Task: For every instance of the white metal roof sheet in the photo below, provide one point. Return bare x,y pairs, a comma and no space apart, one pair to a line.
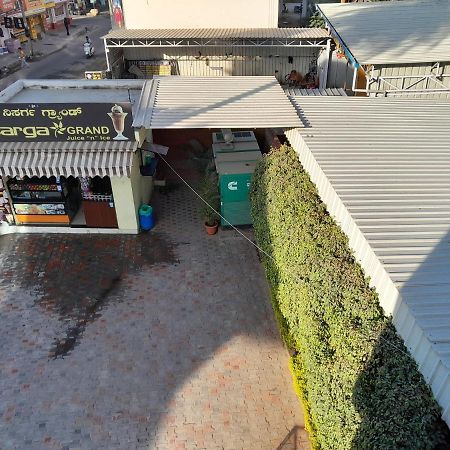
214,102
382,166
315,92
395,32
219,33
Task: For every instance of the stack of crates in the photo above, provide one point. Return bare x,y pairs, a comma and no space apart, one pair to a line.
235,164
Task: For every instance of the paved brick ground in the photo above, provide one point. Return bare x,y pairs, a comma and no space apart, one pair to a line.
161,341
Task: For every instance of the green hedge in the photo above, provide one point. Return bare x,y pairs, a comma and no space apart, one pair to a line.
360,386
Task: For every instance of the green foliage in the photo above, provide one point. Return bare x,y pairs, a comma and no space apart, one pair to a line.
360,386
316,21
209,190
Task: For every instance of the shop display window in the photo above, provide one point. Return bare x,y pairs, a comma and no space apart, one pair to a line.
53,196
97,189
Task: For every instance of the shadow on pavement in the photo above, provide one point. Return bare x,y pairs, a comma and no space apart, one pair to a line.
156,340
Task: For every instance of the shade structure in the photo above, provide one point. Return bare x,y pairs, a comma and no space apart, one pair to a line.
194,37
78,159
213,102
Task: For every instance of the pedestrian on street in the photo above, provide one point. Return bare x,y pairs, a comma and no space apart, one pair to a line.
22,58
66,24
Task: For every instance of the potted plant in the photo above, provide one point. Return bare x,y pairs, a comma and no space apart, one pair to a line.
210,194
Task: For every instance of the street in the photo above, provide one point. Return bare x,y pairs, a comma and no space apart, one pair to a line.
68,62
165,340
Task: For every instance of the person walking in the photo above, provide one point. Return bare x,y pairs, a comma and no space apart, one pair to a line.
22,58
66,24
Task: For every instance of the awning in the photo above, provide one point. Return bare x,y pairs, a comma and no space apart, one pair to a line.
79,159
214,102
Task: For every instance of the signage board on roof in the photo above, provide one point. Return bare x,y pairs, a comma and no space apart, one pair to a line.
49,122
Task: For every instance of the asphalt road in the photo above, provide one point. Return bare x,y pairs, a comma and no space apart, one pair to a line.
69,62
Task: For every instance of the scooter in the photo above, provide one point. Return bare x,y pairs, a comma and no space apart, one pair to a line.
88,48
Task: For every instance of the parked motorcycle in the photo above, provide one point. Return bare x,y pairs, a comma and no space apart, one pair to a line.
88,48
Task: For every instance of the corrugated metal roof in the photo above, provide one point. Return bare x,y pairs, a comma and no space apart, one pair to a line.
79,159
397,32
220,33
382,166
214,102
315,92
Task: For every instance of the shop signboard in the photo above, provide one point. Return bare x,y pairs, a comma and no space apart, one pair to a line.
94,74
49,122
7,5
31,5
40,209
53,3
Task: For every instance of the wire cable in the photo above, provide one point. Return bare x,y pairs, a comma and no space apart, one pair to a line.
216,212
254,244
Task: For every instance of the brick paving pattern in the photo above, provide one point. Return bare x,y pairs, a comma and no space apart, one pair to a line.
160,341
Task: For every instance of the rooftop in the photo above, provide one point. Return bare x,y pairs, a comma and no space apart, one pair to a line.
66,91
214,102
214,36
398,32
382,167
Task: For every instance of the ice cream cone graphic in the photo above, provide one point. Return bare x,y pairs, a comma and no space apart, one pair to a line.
118,119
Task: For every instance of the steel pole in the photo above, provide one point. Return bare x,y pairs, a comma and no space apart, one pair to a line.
27,31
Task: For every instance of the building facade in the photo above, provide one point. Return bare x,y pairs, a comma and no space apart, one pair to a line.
198,13
41,15
56,12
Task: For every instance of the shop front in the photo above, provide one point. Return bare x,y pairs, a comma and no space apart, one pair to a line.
57,11
4,35
35,14
6,6
71,165
77,164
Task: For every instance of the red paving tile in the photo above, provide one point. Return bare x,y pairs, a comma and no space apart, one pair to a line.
163,340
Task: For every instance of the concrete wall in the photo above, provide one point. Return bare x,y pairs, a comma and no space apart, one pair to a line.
200,13
129,194
125,207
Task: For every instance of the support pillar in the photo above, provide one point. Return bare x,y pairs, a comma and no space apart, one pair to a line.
122,188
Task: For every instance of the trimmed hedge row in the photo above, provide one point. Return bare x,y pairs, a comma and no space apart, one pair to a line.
360,386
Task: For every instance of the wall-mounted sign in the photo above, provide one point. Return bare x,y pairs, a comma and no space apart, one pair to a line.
9,22
49,122
95,74
19,23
